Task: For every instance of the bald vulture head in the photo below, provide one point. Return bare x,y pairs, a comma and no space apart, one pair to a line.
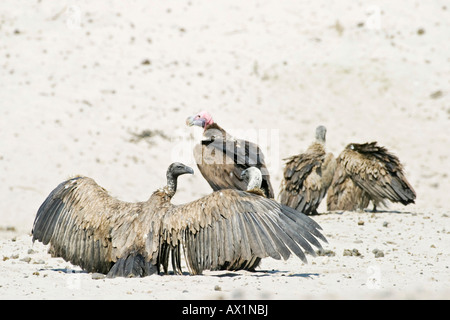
321,133
253,177
201,119
175,170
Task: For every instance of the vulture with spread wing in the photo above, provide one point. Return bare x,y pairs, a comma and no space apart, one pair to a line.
368,172
307,176
228,229
221,158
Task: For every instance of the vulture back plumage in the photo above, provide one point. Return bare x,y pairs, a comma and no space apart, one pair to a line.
368,172
221,158
307,176
228,229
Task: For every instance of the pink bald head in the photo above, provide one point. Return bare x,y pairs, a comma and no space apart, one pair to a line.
206,116
201,119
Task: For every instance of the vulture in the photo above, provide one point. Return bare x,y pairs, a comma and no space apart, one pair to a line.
253,177
308,175
368,172
221,158
227,229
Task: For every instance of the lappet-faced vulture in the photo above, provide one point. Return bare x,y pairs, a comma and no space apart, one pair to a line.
307,176
221,158
368,172
228,229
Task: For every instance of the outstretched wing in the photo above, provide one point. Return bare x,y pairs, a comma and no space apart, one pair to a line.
89,228
228,227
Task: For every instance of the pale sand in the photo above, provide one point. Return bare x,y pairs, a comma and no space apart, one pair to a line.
77,79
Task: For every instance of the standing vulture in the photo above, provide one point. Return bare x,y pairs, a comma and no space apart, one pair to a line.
307,176
227,229
221,158
368,172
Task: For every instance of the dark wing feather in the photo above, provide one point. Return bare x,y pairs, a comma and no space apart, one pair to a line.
221,162
89,228
233,228
307,178
132,265
344,194
378,172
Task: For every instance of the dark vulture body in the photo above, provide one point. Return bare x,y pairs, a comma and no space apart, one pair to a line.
307,176
221,158
368,172
228,229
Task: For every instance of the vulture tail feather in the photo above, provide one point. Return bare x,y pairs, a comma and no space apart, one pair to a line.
134,265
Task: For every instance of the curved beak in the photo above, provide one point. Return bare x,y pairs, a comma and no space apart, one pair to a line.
189,170
191,121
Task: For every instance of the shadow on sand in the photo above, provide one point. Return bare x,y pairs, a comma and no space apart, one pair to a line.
263,273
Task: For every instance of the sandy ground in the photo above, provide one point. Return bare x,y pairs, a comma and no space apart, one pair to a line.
103,90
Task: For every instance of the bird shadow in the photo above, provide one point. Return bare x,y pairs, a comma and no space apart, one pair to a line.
388,211
64,270
339,212
264,273
284,273
222,274
172,273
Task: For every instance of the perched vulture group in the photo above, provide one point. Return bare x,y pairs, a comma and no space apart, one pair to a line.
360,174
232,228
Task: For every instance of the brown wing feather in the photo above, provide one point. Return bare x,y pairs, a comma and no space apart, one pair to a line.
344,194
306,179
221,159
229,227
219,170
89,228
378,172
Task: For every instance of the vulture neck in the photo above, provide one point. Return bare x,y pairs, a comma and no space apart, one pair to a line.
215,126
171,187
254,183
317,147
254,179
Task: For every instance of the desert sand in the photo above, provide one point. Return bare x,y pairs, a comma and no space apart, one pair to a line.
103,89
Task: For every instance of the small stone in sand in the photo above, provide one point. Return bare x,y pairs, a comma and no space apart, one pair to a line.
378,253
98,276
325,252
26,259
353,252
